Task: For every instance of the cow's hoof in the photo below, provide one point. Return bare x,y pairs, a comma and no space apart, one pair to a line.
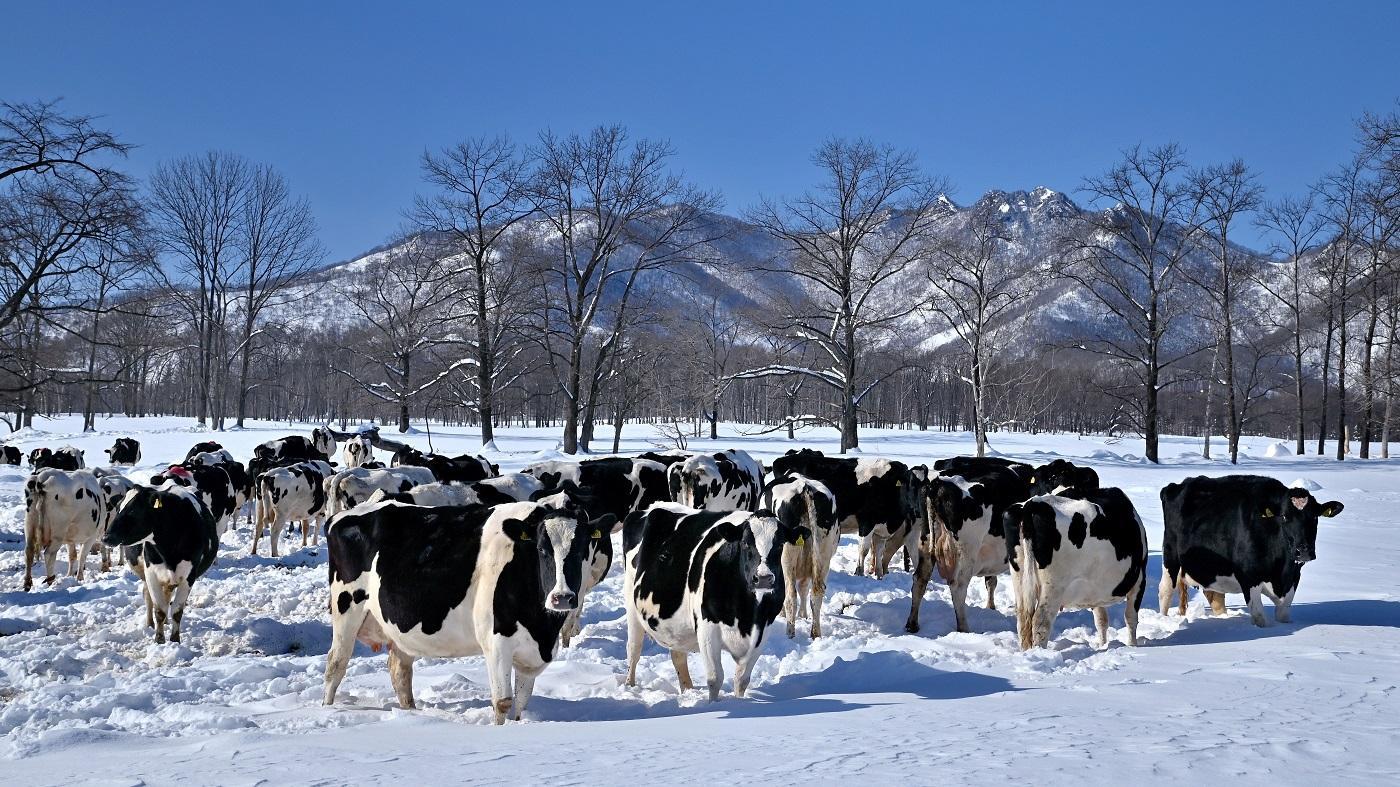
912,628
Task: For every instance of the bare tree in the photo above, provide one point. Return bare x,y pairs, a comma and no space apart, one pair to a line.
483,195
851,242
1342,198
277,245
976,284
1295,225
612,212
403,304
1224,193
198,206
1129,259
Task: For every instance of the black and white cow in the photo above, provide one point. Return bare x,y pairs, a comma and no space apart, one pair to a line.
10,455
213,484
729,480
114,487
1082,550
169,540
706,581
296,492
464,469
125,451
323,440
1060,474
1238,534
64,458
358,452
797,502
208,446
615,485
870,500
60,507
349,488
961,532
667,457
451,582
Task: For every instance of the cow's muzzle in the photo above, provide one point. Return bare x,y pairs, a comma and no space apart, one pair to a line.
563,601
763,581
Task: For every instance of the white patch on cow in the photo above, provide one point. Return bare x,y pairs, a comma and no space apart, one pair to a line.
560,531
765,535
869,469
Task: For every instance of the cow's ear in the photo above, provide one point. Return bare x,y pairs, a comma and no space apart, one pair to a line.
1331,509
518,530
603,525
798,535
730,531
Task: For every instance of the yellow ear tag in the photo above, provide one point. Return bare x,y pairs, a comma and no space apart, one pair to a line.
597,533
1268,512
801,540
898,484
525,535
156,504
1032,479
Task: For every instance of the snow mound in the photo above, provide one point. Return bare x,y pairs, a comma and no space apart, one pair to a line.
1277,449
1305,483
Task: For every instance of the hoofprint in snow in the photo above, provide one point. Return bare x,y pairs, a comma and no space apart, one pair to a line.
85,694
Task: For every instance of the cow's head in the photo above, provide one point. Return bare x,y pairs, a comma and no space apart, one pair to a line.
1298,522
137,514
561,539
1059,475
692,482
760,538
947,504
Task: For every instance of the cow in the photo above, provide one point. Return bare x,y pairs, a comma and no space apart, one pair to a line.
291,447
1081,549
509,488
214,485
615,485
60,507
1238,534
667,457
798,501
959,465
349,488
358,451
293,493
205,447
169,540
726,481
451,582
125,451
705,581
218,456
64,458
323,440
1050,478
961,532
10,455
870,500
464,469
434,495
114,488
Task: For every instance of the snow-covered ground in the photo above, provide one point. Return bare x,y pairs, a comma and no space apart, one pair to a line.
86,695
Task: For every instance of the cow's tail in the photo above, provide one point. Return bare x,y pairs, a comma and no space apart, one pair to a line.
36,523
1026,577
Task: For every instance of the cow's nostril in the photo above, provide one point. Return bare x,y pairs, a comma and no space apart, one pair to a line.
562,599
763,581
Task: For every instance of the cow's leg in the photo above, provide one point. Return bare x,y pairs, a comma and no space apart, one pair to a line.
922,571
962,577
906,558
1101,625
743,668
106,559
791,598
1185,590
711,647
160,596
50,558
177,608
1130,617
304,534
884,553
345,624
524,688
817,596
31,553
1216,599
635,640
499,666
1165,588
1255,599
1283,606
570,627
991,583
681,661
257,533
401,677
276,535
150,602
75,564
860,561
1044,622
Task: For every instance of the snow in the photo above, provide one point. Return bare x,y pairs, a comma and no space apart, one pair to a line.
84,692
1277,449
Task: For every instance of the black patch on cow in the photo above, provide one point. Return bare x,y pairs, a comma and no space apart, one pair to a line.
1078,530
875,502
343,601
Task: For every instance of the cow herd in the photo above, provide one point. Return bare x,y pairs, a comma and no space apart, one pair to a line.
438,556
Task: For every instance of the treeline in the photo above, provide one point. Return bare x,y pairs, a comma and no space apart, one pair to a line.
550,284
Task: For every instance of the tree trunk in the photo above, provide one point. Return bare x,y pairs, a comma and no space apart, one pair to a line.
1326,373
1299,448
1342,437
90,417
485,361
244,363
405,368
1210,402
1368,383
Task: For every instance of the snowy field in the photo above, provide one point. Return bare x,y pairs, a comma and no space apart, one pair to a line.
86,696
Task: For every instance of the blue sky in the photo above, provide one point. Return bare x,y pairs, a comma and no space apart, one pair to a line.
343,97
